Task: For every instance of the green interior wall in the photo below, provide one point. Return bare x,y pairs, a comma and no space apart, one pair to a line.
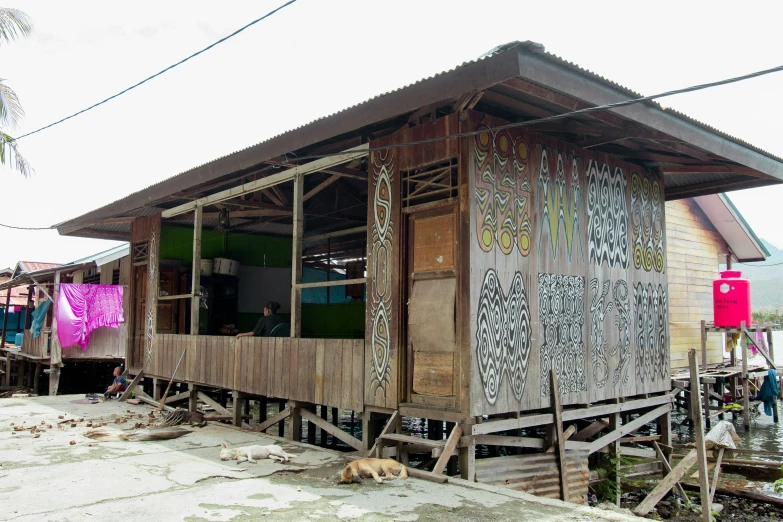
335,321
249,249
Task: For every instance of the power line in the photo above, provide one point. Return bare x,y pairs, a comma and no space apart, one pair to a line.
468,133
26,228
205,49
555,117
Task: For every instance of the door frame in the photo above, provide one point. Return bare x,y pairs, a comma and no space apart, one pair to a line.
410,216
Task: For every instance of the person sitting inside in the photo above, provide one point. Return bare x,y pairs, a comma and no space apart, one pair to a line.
118,385
266,323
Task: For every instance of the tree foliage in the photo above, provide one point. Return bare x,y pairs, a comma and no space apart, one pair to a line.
13,24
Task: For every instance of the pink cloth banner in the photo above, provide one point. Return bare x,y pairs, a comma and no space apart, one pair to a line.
83,308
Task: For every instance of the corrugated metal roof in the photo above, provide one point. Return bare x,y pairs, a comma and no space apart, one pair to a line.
531,48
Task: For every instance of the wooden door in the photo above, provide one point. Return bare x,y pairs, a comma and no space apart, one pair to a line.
432,304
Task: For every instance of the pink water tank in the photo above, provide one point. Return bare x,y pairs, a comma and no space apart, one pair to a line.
731,299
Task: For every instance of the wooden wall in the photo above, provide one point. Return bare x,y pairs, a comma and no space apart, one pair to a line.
38,347
317,371
143,322
694,250
107,343
388,374
568,271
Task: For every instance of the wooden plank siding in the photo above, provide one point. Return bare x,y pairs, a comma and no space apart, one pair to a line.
321,371
38,347
694,249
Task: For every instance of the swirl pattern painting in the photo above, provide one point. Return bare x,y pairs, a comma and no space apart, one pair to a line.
503,336
561,304
560,198
502,192
650,311
647,220
607,212
382,230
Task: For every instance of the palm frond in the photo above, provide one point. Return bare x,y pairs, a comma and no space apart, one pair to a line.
11,111
14,24
10,156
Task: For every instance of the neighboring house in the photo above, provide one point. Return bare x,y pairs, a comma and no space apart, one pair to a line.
17,303
111,267
701,233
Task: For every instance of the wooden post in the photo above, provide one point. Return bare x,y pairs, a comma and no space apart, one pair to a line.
705,386
8,361
56,350
5,317
561,451
281,425
294,431
28,316
367,426
35,377
157,389
614,452
296,257
311,426
467,458
196,276
745,382
701,453
237,413
193,399
335,422
665,431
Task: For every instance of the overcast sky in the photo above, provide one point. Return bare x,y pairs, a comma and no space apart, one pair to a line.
316,57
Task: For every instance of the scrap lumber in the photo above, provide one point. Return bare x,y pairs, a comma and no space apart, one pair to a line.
557,410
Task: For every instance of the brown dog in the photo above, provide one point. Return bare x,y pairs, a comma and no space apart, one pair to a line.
363,468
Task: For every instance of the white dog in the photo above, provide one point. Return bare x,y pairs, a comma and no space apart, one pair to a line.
251,453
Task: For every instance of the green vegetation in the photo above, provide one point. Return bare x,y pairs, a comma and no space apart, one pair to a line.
769,316
13,24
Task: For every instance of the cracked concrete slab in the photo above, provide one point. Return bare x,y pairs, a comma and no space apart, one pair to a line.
47,478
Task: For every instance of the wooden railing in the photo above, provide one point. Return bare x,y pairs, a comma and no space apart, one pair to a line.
38,347
317,371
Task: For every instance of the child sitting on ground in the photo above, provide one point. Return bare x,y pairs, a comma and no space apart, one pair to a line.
118,385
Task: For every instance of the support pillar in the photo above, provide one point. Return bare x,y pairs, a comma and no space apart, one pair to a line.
745,380
193,399
614,452
368,435
237,411
196,276
705,386
6,313
296,257
157,389
281,424
467,458
294,431
665,431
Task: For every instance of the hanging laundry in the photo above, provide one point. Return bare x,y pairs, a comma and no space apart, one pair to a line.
39,317
768,393
83,308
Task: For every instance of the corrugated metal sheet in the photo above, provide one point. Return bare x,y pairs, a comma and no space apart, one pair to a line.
530,47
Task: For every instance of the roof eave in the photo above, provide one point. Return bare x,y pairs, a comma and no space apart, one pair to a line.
544,71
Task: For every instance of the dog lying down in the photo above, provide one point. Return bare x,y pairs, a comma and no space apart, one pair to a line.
251,453
363,468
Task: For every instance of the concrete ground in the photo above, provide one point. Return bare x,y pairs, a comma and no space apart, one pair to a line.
50,478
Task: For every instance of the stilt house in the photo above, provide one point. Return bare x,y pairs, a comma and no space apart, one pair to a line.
501,250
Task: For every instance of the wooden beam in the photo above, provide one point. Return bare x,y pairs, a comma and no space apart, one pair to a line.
448,450
318,188
196,275
517,106
668,469
296,257
567,433
270,181
337,233
153,403
561,449
592,429
203,397
178,397
527,421
701,452
627,428
274,419
341,282
666,484
135,382
717,168
501,440
331,429
716,475
390,427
